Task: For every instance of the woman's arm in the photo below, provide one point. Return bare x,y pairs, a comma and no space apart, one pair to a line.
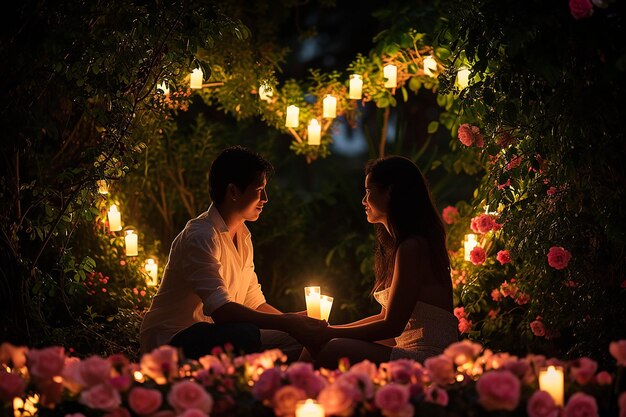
369,319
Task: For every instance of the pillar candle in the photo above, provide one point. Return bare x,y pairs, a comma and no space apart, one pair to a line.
430,66
152,269
115,219
551,381
390,72
309,408
314,132
293,113
469,244
312,297
330,107
326,303
462,77
195,80
131,243
356,87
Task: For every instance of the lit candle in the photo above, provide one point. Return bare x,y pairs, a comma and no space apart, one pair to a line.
551,381
326,303
115,219
293,112
164,88
312,297
26,408
152,269
469,244
195,81
314,131
103,187
356,87
462,77
390,72
309,408
330,107
131,243
265,92
430,66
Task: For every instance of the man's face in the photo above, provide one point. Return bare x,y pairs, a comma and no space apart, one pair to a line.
250,203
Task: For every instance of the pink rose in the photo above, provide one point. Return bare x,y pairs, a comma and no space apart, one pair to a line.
161,364
366,367
359,383
522,298
47,362
538,328
14,356
337,399
301,375
477,255
580,9
440,368
551,191
469,135
212,364
50,391
463,351
541,404
618,351
483,223
505,139
450,215
392,398
94,370
193,412
604,378
144,400
582,370
11,386
520,368
188,394
405,371
267,384
581,405
459,312
101,397
474,225
437,395
558,257
285,400
121,382
465,325
498,390
504,257
496,295
514,163
621,401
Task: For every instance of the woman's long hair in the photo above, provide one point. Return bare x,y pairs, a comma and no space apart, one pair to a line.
411,212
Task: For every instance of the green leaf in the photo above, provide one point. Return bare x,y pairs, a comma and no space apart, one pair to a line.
433,127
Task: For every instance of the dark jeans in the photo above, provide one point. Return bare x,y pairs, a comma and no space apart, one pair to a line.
198,340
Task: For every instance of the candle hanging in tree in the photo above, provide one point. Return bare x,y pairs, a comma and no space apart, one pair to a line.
329,107
265,92
462,77
164,87
131,243
356,87
195,80
469,244
390,72
115,219
430,66
314,132
293,113
152,269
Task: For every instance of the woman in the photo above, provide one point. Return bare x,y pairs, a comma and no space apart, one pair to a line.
412,268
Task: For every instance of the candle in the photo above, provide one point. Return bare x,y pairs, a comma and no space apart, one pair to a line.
26,408
314,131
152,269
462,77
309,408
326,303
293,112
430,66
131,243
356,87
390,72
469,244
164,88
265,92
103,187
330,107
115,219
195,80
551,381
312,297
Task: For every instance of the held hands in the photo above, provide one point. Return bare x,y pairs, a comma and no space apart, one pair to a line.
308,331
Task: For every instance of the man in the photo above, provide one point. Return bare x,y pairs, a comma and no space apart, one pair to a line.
210,294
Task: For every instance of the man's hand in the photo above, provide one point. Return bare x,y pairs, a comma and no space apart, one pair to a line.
306,330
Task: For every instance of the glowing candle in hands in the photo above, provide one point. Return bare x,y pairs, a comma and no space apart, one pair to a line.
326,303
312,297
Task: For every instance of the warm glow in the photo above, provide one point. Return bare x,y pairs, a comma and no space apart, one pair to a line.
356,87
115,219
265,92
329,107
131,243
390,72
469,244
462,77
103,187
138,376
195,79
152,269
312,297
430,66
326,304
314,132
309,408
460,378
25,409
164,87
293,113
551,381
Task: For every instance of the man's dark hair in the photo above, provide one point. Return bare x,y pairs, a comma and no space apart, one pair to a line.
235,165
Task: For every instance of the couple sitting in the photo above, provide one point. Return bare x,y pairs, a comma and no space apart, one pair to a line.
210,294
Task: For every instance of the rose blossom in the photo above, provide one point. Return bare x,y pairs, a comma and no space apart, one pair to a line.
469,135
94,370
14,356
267,384
450,215
366,367
541,404
337,399
604,378
498,390
405,371
144,400
188,394
621,401
47,362
581,405
160,364
465,325
11,386
618,351
463,351
504,257
537,327
360,383
285,400
483,223
474,224
580,8
392,398
558,257
437,395
101,397
477,255
440,368
193,412
496,295
212,364
583,369
459,312
301,375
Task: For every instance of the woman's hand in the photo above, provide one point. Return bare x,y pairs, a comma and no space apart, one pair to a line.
308,331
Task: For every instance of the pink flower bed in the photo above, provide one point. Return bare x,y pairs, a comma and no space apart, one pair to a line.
466,378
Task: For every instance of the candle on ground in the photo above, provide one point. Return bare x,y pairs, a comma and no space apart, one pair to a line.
309,408
551,381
